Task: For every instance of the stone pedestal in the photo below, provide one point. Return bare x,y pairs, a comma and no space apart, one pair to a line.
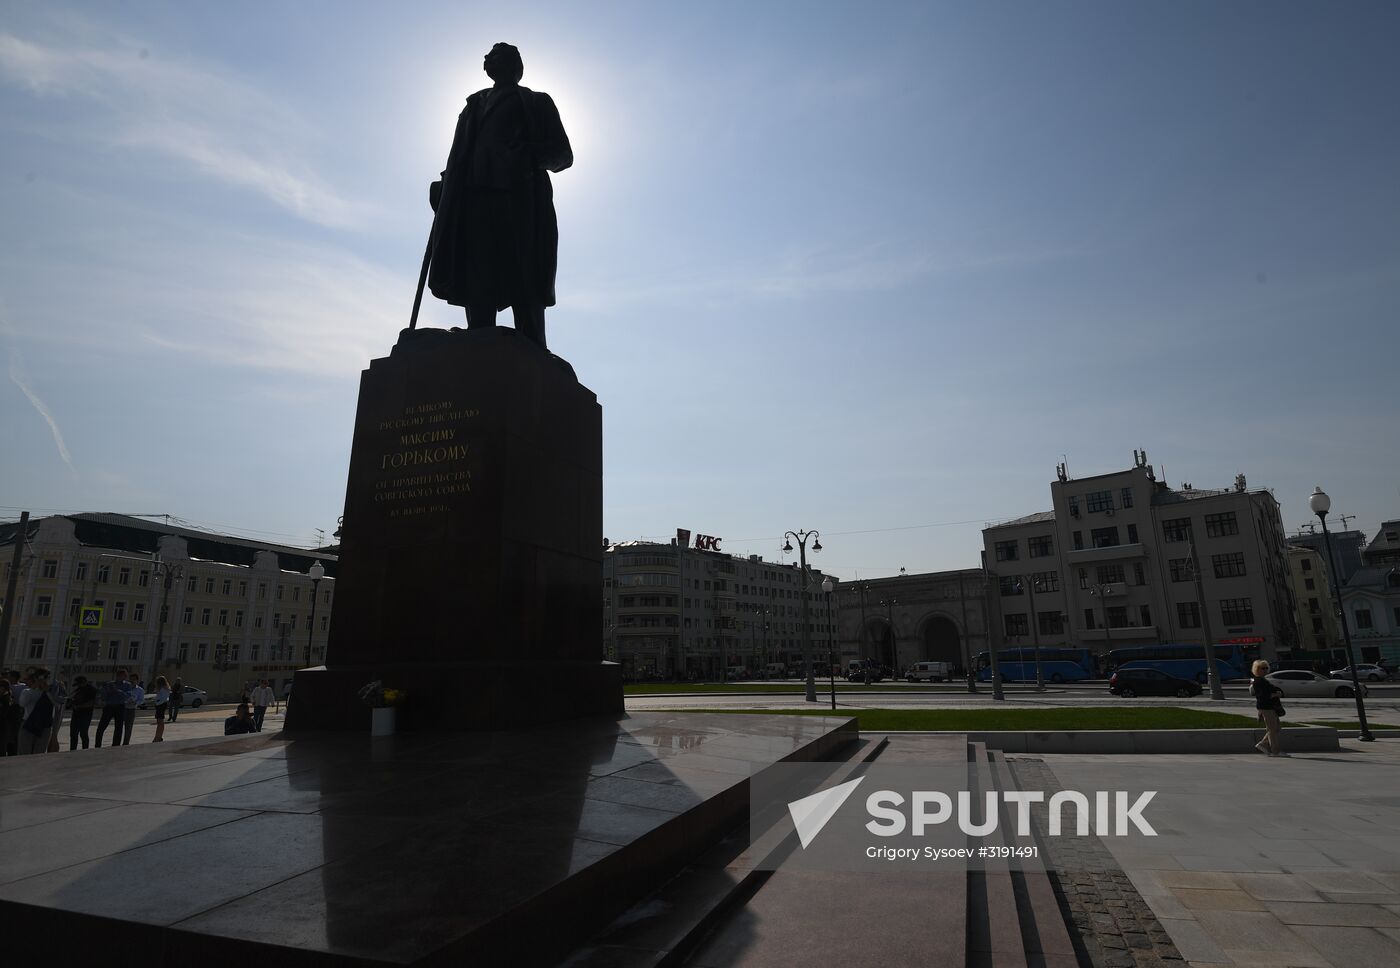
471,549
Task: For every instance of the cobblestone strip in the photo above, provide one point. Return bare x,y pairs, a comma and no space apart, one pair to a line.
1110,923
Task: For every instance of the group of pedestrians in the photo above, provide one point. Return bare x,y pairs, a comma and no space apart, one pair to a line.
32,708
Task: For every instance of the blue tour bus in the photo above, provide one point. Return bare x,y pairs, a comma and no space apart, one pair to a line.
1058,664
1185,661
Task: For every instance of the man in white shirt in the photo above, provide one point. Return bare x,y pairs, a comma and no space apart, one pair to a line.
261,697
134,697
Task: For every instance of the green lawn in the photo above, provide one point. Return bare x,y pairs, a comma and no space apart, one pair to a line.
682,688
1344,724
1021,720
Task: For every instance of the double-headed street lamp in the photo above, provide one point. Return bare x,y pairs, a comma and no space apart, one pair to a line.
1319,503
167,576
1212,673
889,604
316,573
802,537
1028,582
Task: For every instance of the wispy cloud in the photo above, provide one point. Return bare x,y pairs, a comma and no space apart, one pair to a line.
17,377
216,124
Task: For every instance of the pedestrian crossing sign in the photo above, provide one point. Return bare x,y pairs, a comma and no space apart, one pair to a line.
91,617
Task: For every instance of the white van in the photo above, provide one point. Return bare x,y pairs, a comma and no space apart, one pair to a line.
928,672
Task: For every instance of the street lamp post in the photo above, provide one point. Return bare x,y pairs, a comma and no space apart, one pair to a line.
1319,503
1212,674
830,659
317,572
889,604
967,640
802,537
168,576
1028,583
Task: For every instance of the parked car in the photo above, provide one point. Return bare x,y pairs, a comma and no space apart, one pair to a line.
928,671
192,698
1367,672
1128,681
856,671
1297,683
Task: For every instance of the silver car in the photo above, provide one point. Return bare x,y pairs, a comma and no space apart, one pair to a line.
190,698
1301,684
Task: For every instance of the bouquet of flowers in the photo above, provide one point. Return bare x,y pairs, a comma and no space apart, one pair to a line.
376,696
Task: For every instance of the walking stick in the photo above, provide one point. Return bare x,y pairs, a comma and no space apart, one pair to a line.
422,279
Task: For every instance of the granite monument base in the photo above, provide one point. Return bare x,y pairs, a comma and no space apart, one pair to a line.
490,848
459,695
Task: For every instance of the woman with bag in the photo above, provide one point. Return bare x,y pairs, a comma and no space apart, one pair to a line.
162,706
1268,700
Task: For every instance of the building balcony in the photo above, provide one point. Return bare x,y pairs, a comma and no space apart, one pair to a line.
1107,553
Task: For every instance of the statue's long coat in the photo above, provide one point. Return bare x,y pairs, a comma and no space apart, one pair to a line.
496,197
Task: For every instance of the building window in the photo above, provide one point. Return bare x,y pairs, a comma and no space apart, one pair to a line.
280,587
1045,581
1237,611
1051,623
1228,566
1017,624
1309,584
1146,612
193,584
325,621
80,571
238,619
184,652
204,615
143,578
243,589
1098,501
138,612
1083,579
1317,626
104,574
36,647
1132,534
326,596
1109,574
1040,547
1363,619
188,617
1074,505
1127,496
1005,551
73,605
133,651
112,648
1117,616
1105,537
223,618
119,611
1307,564
1079,541
209,586
233,653
1395,612
1088,618
296,593
1010,586
203,652
50,568
1177,529
1188,615
228,586
253,651
257,621
1313,606
43,606
1139,575
262,591
1221,525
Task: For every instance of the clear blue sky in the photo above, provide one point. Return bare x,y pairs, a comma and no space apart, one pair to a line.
855,267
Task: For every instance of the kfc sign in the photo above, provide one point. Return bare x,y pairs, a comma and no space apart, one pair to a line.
703,542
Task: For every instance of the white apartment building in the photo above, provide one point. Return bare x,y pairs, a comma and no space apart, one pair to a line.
672,611
235,610
1111,565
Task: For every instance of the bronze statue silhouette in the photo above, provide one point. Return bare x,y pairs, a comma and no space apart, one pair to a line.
495,239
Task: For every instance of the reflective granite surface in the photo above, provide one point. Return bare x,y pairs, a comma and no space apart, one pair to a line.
412,847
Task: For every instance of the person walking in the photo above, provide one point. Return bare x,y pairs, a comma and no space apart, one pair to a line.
41,704
10,715
83,702
162,706
1268,702
135,696
177,696
113,696
262,697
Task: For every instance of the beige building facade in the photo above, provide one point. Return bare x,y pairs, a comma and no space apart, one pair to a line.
235,610
1114,564
1315,609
